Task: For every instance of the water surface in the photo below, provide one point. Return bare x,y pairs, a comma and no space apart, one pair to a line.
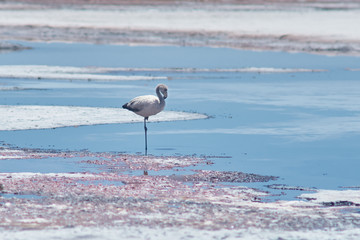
302,127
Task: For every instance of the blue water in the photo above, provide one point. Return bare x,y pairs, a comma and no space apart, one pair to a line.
22,196
306,145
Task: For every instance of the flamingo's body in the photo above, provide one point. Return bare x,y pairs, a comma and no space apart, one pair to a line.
148,105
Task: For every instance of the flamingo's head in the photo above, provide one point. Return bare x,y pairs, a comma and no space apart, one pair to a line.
163,90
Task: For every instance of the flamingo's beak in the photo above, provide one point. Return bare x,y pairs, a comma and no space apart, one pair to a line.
165,95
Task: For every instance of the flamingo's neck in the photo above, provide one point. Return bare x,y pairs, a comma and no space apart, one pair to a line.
161,98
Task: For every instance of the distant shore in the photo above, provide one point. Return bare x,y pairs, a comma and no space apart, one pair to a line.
319,27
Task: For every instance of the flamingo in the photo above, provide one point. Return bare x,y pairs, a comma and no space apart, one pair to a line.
148,105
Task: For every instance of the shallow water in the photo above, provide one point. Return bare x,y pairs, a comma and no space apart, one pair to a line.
302,127
21,196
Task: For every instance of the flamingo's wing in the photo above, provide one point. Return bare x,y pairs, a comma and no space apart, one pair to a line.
141,103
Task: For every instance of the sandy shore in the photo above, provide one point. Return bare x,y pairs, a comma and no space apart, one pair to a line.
317,26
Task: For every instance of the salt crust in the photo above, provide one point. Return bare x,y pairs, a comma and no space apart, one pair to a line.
108,74
175,234
42,117
66,73
333,196
266,22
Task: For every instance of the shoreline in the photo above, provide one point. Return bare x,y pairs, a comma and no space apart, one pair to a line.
312,27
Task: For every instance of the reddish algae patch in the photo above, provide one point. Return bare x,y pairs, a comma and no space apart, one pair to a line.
116,198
